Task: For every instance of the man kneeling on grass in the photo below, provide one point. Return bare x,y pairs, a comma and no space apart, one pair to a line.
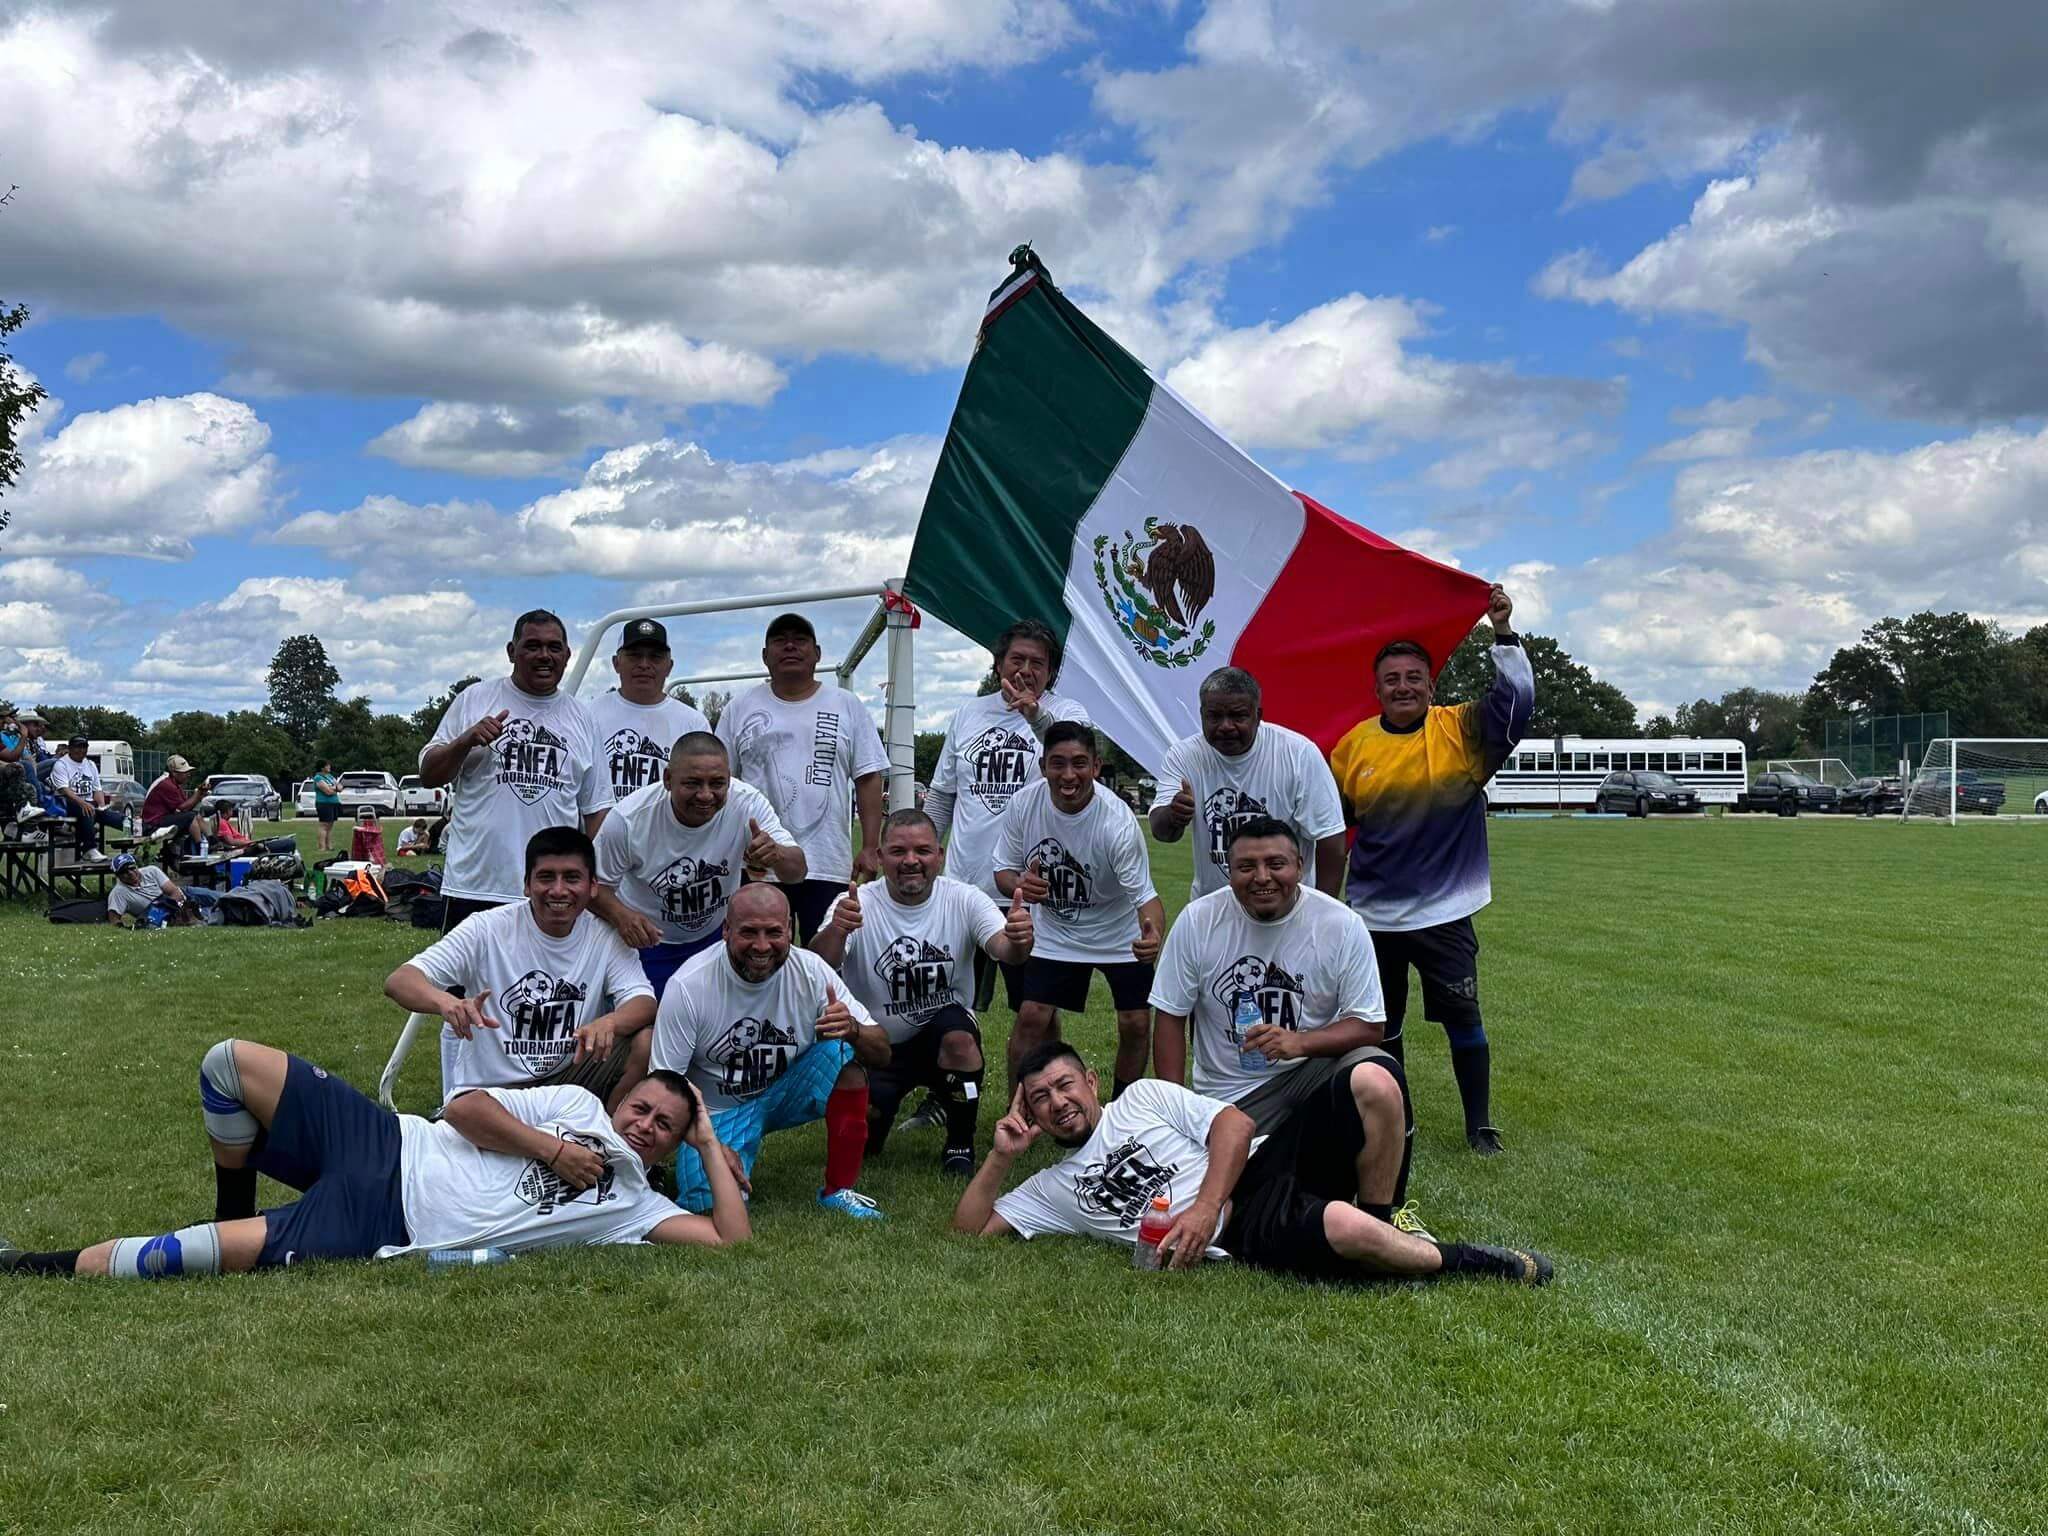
1285,1206
514,1168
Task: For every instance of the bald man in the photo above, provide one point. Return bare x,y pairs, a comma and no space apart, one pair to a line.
772,1039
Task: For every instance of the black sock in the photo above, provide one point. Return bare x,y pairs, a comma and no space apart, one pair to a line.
1464,1259
962,1098
1472,1066
1377,1212
234,1193
63,1261
879,1126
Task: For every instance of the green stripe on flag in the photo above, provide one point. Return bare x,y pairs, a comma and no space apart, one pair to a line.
1048,406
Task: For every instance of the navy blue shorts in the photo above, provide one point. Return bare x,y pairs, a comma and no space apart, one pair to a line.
342,1150
658,962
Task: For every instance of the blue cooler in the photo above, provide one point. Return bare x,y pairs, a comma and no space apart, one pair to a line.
238,872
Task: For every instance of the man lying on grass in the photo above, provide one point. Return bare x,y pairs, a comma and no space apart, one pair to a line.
515,1168
1285,1206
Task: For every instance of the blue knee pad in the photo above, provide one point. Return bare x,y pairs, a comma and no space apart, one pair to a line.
228,1121
1465,1037
187,1251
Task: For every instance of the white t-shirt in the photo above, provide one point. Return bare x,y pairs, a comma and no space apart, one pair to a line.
733,1038
990,753
456,1195
1152,1139
82,778
135,901
1096,863
1229,972
907,963
411,837
1283,775
633,740
542,772
680,877
805,757
542,990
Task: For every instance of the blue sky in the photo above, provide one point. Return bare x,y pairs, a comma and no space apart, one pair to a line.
1681,319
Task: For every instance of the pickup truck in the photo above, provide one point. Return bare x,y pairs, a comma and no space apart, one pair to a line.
1973,792
415,799
1786,793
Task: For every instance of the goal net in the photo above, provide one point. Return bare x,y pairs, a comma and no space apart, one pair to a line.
1822,770
1961,776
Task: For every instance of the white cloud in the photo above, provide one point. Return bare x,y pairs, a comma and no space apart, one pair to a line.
144,479
84,366
1343,375
1727,430
501,439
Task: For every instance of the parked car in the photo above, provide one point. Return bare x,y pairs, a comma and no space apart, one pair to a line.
415,799
1640,793
2041,803
1787,793
1974,792
118,788
1874,796
361,787
246,789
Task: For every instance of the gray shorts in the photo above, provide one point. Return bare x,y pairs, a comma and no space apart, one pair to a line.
1279,1096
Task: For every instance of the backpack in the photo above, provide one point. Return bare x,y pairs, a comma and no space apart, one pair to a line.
258,904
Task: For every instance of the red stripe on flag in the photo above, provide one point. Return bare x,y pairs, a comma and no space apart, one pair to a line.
1345,593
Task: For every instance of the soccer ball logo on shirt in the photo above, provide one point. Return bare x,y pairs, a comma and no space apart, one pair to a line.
1123,1183
918,974
532,760
1222,812
542,1188
1277,992
636,760
1065,876
750,1055
999,763
692,890
541,1018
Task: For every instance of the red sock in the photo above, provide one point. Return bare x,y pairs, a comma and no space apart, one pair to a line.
846,1136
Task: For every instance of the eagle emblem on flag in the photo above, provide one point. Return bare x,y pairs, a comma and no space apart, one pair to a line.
1156,585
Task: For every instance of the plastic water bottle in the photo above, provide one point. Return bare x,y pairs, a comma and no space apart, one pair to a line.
465,1258
1152,1229
1245,1018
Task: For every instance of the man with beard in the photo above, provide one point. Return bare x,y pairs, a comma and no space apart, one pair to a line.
520,755
905,945
1276,982
524,987
1413,780
637,722
1283,1208
1076,854
1239,766
772,1040
813,749
513,1168
670,856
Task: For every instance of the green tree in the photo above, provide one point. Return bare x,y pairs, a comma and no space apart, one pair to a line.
714,702
19,395
428,715
1769,724
350,739
302,682
1570,700
929,745
1660,727
1987,679
682,691
95,722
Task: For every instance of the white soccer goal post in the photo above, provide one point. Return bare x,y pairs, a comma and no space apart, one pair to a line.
1980,776
893,617
1822,770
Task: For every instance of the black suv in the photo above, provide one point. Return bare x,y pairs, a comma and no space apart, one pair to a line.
1883,796
1640,793
1787,794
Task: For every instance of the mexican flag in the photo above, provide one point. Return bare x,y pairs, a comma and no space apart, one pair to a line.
1076,488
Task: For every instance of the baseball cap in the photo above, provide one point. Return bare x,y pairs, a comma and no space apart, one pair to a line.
643,635
783,623
177,764
123,861
78,741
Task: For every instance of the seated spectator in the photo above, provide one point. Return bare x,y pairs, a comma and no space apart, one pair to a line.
169,804
21,785
75,778
413,840
226,834
435,833
366,843
137,887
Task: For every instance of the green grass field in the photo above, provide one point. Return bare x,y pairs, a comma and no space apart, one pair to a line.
1773,1095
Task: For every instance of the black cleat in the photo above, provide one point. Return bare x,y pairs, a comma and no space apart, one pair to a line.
1485,1141
930,1115
1523,1266
956,1164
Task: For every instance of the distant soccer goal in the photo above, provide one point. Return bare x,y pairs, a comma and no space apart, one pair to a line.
1823,770
1963,776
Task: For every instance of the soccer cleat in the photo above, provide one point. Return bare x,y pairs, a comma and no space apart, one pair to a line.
931,1114
1485,1141
955,1163
1524,1266
1406,1220
850,1202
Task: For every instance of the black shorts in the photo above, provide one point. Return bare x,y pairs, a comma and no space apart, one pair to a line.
914,1062
809,902
455,908
1447,957
1276,1211
328,813
985,970
1064,983
343,1151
